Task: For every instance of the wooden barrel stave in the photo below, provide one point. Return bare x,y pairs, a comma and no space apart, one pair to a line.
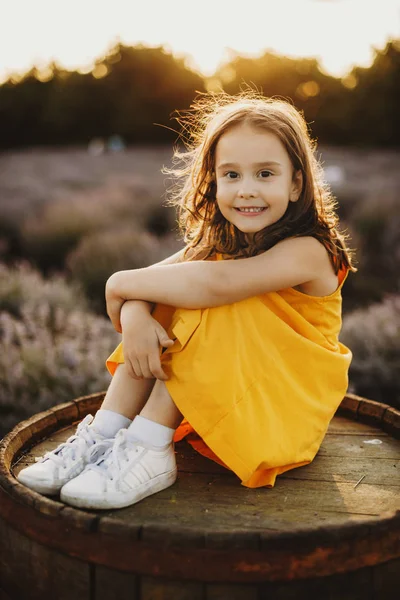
31,571
202,550
49,575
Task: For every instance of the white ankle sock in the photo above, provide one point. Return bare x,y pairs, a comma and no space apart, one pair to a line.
109,422
150,431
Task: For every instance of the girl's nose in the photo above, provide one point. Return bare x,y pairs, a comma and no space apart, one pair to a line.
247,188
247,193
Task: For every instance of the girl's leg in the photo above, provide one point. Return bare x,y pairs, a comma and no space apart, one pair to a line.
161,408
142,461
149,397
126,395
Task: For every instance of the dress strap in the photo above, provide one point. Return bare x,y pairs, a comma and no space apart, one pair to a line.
342,275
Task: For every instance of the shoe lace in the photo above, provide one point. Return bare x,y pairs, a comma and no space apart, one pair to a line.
112,462
83,442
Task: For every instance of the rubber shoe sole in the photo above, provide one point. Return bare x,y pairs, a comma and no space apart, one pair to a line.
31,479
36,486
109,500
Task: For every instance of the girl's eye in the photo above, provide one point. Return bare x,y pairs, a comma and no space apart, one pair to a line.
233,175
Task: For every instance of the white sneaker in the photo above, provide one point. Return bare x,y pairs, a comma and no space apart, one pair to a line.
55,468
126,473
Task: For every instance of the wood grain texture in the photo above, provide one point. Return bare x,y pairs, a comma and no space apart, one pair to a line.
31,571
209,537
109,584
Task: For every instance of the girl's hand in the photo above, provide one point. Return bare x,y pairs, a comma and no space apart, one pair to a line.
114,302
141,341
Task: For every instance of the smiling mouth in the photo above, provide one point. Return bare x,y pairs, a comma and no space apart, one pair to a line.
255,210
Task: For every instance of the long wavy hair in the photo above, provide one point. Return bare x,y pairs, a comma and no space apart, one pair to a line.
204,229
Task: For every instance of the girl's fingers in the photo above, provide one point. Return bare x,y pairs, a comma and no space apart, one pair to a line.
163,337
130,369
137,368
156,368
144,364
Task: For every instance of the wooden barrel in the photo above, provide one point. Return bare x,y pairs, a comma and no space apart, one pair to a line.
327,530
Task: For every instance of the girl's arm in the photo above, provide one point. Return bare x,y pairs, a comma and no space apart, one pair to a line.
185,285
133,306
203,284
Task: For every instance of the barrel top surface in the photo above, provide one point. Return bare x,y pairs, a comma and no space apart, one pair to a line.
210,497
354,481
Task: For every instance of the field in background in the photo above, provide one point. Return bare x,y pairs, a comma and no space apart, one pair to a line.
51,199
78,217
32,177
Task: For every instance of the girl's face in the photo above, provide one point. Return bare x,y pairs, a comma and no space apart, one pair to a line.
254,171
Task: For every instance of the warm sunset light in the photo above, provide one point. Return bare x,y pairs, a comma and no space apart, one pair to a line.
340,33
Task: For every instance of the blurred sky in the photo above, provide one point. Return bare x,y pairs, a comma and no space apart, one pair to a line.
74,33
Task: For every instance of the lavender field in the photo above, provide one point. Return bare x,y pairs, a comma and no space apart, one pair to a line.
51,199
69,218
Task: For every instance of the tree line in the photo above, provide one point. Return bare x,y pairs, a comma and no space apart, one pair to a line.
134,90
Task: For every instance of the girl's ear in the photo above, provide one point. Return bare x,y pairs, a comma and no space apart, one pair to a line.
297,186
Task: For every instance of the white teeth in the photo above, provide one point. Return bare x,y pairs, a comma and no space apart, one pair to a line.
250,209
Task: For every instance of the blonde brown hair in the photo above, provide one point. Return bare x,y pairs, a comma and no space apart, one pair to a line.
205,230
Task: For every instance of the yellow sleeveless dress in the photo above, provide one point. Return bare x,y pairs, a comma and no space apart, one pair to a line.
258,381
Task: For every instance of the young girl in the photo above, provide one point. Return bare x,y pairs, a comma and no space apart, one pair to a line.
233,341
